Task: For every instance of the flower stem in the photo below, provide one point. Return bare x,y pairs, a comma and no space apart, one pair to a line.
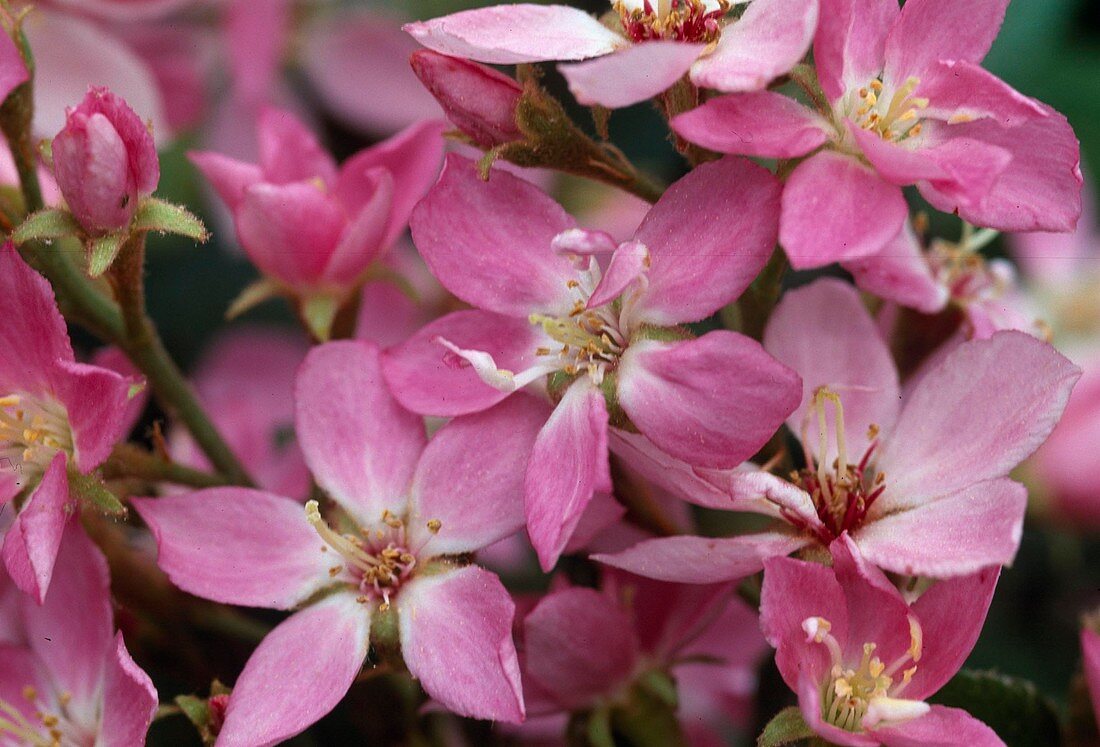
130,460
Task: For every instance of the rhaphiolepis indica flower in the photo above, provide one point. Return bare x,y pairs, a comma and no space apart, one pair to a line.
605,343
917,478
902,101
862,660
646,47
389,565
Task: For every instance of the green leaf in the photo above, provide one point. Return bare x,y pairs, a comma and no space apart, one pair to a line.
46,224
195,709
787,727
91,489
1012,707
158,215
103,251
317,313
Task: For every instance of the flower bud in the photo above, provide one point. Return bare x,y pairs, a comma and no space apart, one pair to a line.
105,162
478,100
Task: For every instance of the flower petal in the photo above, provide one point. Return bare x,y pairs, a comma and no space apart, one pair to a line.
632,75
849,44
928,31
712,401
668,473
1090,647
228,176
290,152
456,637
325,646
900,273
97,401
34,335
32,541
129,700
629,262
941,725
764,124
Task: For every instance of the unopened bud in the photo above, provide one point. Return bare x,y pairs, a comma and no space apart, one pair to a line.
478,100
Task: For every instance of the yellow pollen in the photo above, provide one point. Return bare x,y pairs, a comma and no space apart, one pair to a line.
434,525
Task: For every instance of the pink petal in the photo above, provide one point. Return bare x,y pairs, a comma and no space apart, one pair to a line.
477,496
727,247
956,429
941,725
849,44
229,177
256,35
97,400
238,546
21,668
125,10
34,336
712,401
290,152
360,444
364,236
427,378
567,465
928,31
900,273
32,541
960,91
809,701
764,124
826,335
13,70
771,37
632,75
129,700
324,645
1090,648
704,560
579,646
489,243
600,519
977,526
456,638
510,34
836,209
585,243
629,262
674,475
114,359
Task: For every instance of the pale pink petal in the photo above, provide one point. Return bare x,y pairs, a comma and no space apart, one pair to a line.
960,91
941,725
490,243
712,401
256,35
290,152
900,273
567,465
21,668
97,401
766,42
579,646
32,541
977,526
932,30
360,444
228,176
630,261
703,253
428,378
583,242
764,124
34,335
1090,648
510,34
849,44
477,495
876,610
238,546
129,700
1052,257
956,429
704,560
125,10
632,75
826,335
836,209
456,638
324,645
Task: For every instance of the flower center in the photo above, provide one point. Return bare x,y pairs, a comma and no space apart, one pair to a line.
861,696
842,493
47,728
697,21
896,117
961,268
32,431
376,560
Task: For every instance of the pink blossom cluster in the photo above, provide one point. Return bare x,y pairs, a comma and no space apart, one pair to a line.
487,471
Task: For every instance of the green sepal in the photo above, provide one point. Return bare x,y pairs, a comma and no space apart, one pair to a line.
164,217
253,295
195,709
91,490
53,223
103,252
787,727
318,313
1012,707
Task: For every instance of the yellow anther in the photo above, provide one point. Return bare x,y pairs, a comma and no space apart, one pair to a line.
434,525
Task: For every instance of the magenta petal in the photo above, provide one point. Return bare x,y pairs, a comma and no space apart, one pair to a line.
900,273
941,725
359,443
97,400
960,91
290,152
955,429
129,700
770,38
510,34
427,378
238,546
977,526
631,75
728,247
456,638
490,243
477,496
704,560
324,645
764,124
849,44
32,541
229,177
567,465
34,336
668,473
928,31
836,209
629,262
828,315
363,239
13,70
876,610
712,401
579,646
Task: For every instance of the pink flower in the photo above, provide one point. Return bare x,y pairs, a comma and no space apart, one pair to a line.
862,660
905,102
313,228
411,510
57,418
105,162
919,484
656,44
1090,649
604,343
67,678
13,70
